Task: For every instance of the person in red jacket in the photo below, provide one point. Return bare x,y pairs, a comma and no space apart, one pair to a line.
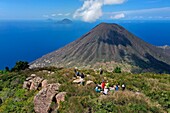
103,85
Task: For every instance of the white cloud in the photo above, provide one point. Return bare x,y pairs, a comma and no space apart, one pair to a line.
152,10
118,16
60,14
53,15
110,2
92,9
153,13
46,16
67,14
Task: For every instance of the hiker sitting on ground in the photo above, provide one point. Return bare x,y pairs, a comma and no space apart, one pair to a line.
107,85
103,85
123,87
105,92
98,89
77,73
116,88
82,75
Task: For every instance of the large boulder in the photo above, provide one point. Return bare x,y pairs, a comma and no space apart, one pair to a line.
36,82
60,97
33,75
27,85
89,82
77,81
44,83
29,78
44,98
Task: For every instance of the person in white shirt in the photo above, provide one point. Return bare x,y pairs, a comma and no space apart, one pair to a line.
105,92
123,87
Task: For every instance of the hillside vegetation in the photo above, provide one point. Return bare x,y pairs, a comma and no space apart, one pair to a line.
146,92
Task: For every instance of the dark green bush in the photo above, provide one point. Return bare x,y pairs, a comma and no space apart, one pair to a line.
20,65
7,69
117,70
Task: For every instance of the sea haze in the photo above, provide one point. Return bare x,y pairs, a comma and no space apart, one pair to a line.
29,40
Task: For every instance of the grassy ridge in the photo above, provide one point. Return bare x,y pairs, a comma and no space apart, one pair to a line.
154,92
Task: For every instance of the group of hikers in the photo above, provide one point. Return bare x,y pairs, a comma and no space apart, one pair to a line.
77,73
104,87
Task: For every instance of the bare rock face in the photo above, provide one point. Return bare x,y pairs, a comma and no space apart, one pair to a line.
89,82
27,85
36,82
33,75
77,81
60,97
44,83
44,98
29,78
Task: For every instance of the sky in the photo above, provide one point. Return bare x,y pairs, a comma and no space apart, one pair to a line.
85,10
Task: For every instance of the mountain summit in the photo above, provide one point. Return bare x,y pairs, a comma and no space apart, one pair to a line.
108,46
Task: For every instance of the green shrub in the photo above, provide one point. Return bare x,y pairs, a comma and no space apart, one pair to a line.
117,70
7,69
20,65
1,72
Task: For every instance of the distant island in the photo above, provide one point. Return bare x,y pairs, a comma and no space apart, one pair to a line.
65,21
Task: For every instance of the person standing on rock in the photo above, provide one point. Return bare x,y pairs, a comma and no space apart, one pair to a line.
100,71
75,70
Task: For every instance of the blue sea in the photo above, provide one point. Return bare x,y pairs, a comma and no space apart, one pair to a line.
29,40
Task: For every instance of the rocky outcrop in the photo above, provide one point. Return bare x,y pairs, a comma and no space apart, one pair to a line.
36,82
60,97
77,81
49,94
33,75
33,82
27,85
44,98
89,82
44,83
